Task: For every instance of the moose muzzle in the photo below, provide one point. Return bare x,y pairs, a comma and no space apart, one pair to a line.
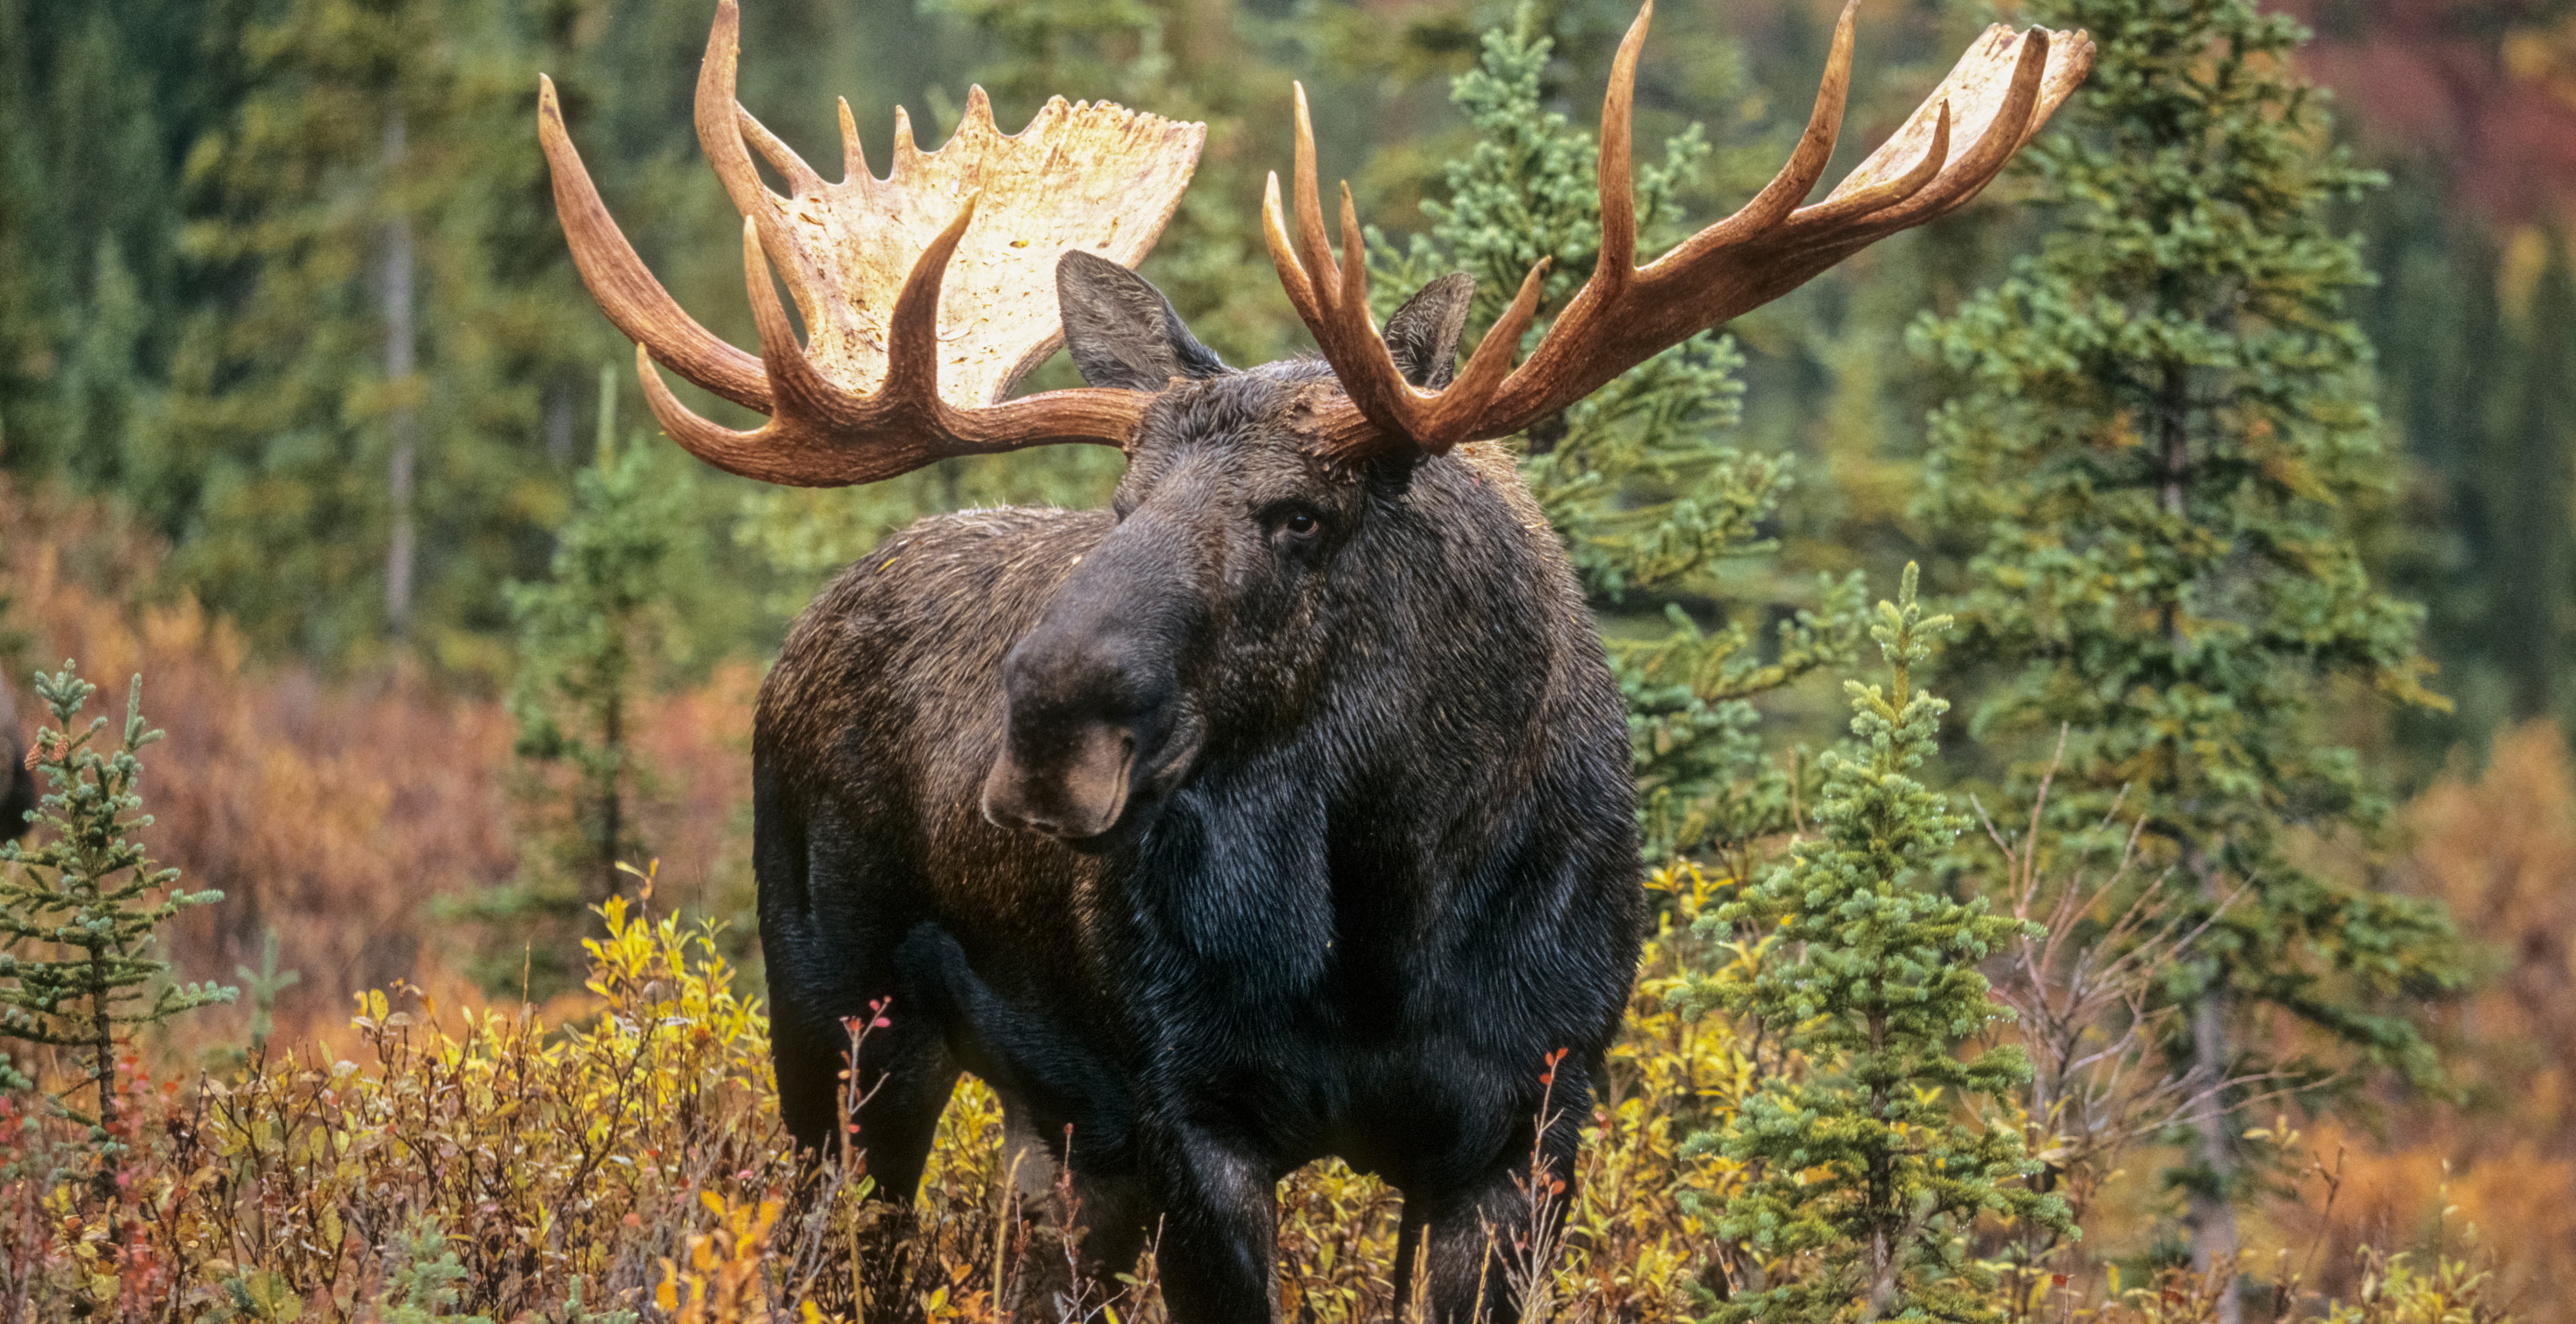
1093,721
1061,780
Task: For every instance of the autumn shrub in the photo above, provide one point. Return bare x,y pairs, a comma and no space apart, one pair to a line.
2499,848
331,811
630,1159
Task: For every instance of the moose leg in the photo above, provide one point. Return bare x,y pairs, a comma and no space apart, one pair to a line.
1473,1251
903,1078
1478,1246
1088,1227
1219,1228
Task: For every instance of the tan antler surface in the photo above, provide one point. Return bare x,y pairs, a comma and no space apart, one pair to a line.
2000,94
925,295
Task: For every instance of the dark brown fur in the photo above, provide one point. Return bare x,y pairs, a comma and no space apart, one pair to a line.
17,781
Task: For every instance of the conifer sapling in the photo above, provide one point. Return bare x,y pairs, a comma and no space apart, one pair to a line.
81,910
1867,1167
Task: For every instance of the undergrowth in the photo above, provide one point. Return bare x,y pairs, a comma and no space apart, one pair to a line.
628,1164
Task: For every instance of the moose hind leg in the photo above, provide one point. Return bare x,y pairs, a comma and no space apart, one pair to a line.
901,1084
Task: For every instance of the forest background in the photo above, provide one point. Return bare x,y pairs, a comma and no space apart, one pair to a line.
299,395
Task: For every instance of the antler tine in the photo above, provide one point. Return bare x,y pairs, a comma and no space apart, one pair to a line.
1806,163
1310,208
854,158
801,178
1614,173
727,132
1986,157
1283,255
1886,193
912,340
625,288
716,114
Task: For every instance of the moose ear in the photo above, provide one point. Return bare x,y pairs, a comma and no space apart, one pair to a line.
1122,331
1422,337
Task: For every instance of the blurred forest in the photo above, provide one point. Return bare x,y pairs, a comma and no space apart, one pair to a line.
305,416
284,279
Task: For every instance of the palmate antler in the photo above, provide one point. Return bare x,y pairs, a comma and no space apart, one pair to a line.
1999,94
925,294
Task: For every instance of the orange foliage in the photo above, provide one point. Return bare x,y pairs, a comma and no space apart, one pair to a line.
333,812
2501,852
2488,86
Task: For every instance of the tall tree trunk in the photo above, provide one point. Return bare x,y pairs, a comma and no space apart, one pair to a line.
2213,1148
2531,492
2212,1217
401,346
2213,1140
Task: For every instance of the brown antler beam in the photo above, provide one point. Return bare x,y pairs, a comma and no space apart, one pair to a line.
2000,94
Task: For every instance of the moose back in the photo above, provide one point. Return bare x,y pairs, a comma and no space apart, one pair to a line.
1282,809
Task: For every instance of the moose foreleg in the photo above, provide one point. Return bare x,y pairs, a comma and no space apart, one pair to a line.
1219,1228
1480,1248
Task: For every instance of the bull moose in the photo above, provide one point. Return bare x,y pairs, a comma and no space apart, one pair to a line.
1282,809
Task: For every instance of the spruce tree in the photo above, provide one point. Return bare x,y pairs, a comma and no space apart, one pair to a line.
17,779
81,910
1652,506
1865,1168
2156,445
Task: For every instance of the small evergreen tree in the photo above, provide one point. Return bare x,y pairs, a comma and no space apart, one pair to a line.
1864,1172
2159,439
1650,505
586,635
80,913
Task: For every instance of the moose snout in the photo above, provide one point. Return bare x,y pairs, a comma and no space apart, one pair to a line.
1084,712
1071,786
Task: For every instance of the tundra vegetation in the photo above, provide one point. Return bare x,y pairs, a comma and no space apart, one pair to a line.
2125,1002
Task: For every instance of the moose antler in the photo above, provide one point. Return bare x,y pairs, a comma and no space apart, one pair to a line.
2000,94
925,294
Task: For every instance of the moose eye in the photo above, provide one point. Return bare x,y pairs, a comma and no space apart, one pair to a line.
1290,521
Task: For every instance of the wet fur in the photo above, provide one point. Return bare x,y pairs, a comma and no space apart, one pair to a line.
1400,870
